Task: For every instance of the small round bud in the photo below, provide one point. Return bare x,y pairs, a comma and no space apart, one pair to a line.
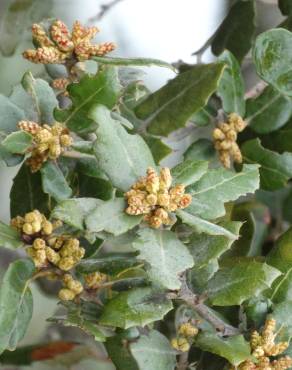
39,243
47,227
66,263
36,226
28,229
66,140
151,199
180,344
75,286
218,134
52,256
66,294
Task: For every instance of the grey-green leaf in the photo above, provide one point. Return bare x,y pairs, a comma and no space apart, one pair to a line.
219,186
16,303
10,115
272,54
17,142
235,349
153,351
268,111
202,226
122,156
110,216
275,170
169,108
233,284
9,237
165,254
139,306
231,85
188,172
54,182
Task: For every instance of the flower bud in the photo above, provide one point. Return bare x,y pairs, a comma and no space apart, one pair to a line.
66,294
39,243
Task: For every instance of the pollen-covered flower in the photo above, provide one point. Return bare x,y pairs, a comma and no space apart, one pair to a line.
49,142
225,136
153,197
57,44
71,289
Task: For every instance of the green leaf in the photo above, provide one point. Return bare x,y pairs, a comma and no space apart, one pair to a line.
165,254
201,149
282,288
54,182
43,98
203,226
122,156
272,54
74,211
235,349
219,186
231,85
10,115
207,248
9,237
268,111
188,172
240,280
139,306
16,303
158,148
103,88
110,216
285,6
281,255
169,108
137,62
17,142
29,184
282,315
153,351
275,170
237,30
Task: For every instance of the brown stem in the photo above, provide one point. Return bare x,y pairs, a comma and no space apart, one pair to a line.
255,90
183,363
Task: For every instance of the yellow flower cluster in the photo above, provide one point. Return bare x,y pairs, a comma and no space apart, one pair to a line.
45,248
225,136
49,142
57,45
61,85
72,288
95,279
154,197
186,333
263,347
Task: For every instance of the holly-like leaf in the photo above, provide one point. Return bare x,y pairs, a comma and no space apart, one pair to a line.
9,237
269,111
188,172
203,226
235,349
74,211
233,284
237,30
137,62
110,216
169,108
275,170
43,99
165,254
122,156
29,184
207,248
153,351
231,85
282,315
272,54
219,186
15,303
103,88
54,182
17,142
140,306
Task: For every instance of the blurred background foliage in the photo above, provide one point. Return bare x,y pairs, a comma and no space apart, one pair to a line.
168,30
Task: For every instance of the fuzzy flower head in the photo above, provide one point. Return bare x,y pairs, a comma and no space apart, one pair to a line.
58,45
155,198
49,142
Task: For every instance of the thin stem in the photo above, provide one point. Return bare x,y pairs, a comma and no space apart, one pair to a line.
183,363
104,9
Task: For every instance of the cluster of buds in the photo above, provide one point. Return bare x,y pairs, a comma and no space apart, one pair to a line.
225,136
58,45
186,333
45,248
95,279
49,142
71,289
61,84
153,197
263,347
